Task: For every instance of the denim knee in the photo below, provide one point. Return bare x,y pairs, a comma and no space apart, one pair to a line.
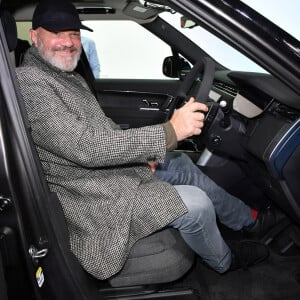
200,209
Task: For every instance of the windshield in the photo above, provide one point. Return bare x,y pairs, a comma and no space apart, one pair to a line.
227,55
284,14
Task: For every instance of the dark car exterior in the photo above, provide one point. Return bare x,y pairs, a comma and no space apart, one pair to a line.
257,158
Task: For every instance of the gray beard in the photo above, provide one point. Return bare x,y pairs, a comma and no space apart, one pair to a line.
49,57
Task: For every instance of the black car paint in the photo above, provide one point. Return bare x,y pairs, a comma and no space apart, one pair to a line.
35,216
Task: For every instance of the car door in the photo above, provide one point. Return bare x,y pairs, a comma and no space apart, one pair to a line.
35,259
131,87
3,293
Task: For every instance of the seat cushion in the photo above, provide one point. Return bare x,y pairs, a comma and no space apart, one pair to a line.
158,258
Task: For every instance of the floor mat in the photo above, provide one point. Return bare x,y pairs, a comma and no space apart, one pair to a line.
275,279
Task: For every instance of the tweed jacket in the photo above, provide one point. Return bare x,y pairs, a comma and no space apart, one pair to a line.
109,196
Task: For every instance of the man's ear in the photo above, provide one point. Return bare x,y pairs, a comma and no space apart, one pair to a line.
33,36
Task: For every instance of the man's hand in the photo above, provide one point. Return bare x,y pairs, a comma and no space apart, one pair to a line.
188,120
152,165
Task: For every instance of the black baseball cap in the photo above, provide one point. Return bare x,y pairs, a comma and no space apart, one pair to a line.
57,16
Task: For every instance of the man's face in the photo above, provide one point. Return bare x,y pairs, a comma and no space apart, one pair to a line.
62,49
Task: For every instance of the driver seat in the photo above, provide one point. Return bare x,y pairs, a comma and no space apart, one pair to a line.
159,258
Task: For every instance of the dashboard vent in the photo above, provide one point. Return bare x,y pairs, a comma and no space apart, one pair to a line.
228,89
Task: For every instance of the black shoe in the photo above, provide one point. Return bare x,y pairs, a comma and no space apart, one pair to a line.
247,253
264,222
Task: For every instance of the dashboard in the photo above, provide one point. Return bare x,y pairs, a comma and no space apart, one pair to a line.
263,135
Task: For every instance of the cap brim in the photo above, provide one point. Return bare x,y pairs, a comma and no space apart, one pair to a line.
60,27
86,28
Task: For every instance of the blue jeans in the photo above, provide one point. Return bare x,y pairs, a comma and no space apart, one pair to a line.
204,200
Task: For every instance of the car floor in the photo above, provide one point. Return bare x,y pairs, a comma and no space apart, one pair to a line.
277,278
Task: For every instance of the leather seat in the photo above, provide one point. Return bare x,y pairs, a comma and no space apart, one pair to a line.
159,258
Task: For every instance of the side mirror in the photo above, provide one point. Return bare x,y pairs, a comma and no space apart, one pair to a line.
175,67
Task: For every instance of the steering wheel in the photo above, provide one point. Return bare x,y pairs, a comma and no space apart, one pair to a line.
207,66
220,133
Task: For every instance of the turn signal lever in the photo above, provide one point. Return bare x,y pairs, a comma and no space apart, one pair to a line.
210,116
217,113
222,133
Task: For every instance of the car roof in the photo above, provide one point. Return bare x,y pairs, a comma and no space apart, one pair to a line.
90,10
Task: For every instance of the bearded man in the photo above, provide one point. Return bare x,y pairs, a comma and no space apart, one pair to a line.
111,183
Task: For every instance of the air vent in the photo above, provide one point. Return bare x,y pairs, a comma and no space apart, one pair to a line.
228,89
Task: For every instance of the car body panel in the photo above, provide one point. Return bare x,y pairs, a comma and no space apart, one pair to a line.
261,150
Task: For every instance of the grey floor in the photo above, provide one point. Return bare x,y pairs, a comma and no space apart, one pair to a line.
277,278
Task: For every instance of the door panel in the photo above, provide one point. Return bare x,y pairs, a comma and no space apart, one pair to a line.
131,86
135,103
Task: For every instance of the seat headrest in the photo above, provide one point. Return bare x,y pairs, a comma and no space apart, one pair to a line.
10,29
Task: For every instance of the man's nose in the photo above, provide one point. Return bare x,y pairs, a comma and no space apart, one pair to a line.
67,41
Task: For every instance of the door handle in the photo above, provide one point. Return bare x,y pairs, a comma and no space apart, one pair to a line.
149,105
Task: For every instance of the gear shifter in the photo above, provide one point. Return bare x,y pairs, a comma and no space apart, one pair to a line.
225,122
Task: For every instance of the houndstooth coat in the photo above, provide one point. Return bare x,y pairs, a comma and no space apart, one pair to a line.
108,194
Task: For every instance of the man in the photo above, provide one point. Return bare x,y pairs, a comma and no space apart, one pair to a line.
104,175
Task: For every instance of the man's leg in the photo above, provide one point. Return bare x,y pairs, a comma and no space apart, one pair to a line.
178,169
199,229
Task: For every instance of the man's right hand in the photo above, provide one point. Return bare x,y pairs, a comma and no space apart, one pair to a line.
188,120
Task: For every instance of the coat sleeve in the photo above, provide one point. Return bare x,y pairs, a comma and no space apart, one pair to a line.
57,129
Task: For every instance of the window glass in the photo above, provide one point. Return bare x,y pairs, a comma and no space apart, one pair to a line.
218,49
23,30
127,50
283,13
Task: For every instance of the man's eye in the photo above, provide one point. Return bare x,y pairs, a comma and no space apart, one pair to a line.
75,35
